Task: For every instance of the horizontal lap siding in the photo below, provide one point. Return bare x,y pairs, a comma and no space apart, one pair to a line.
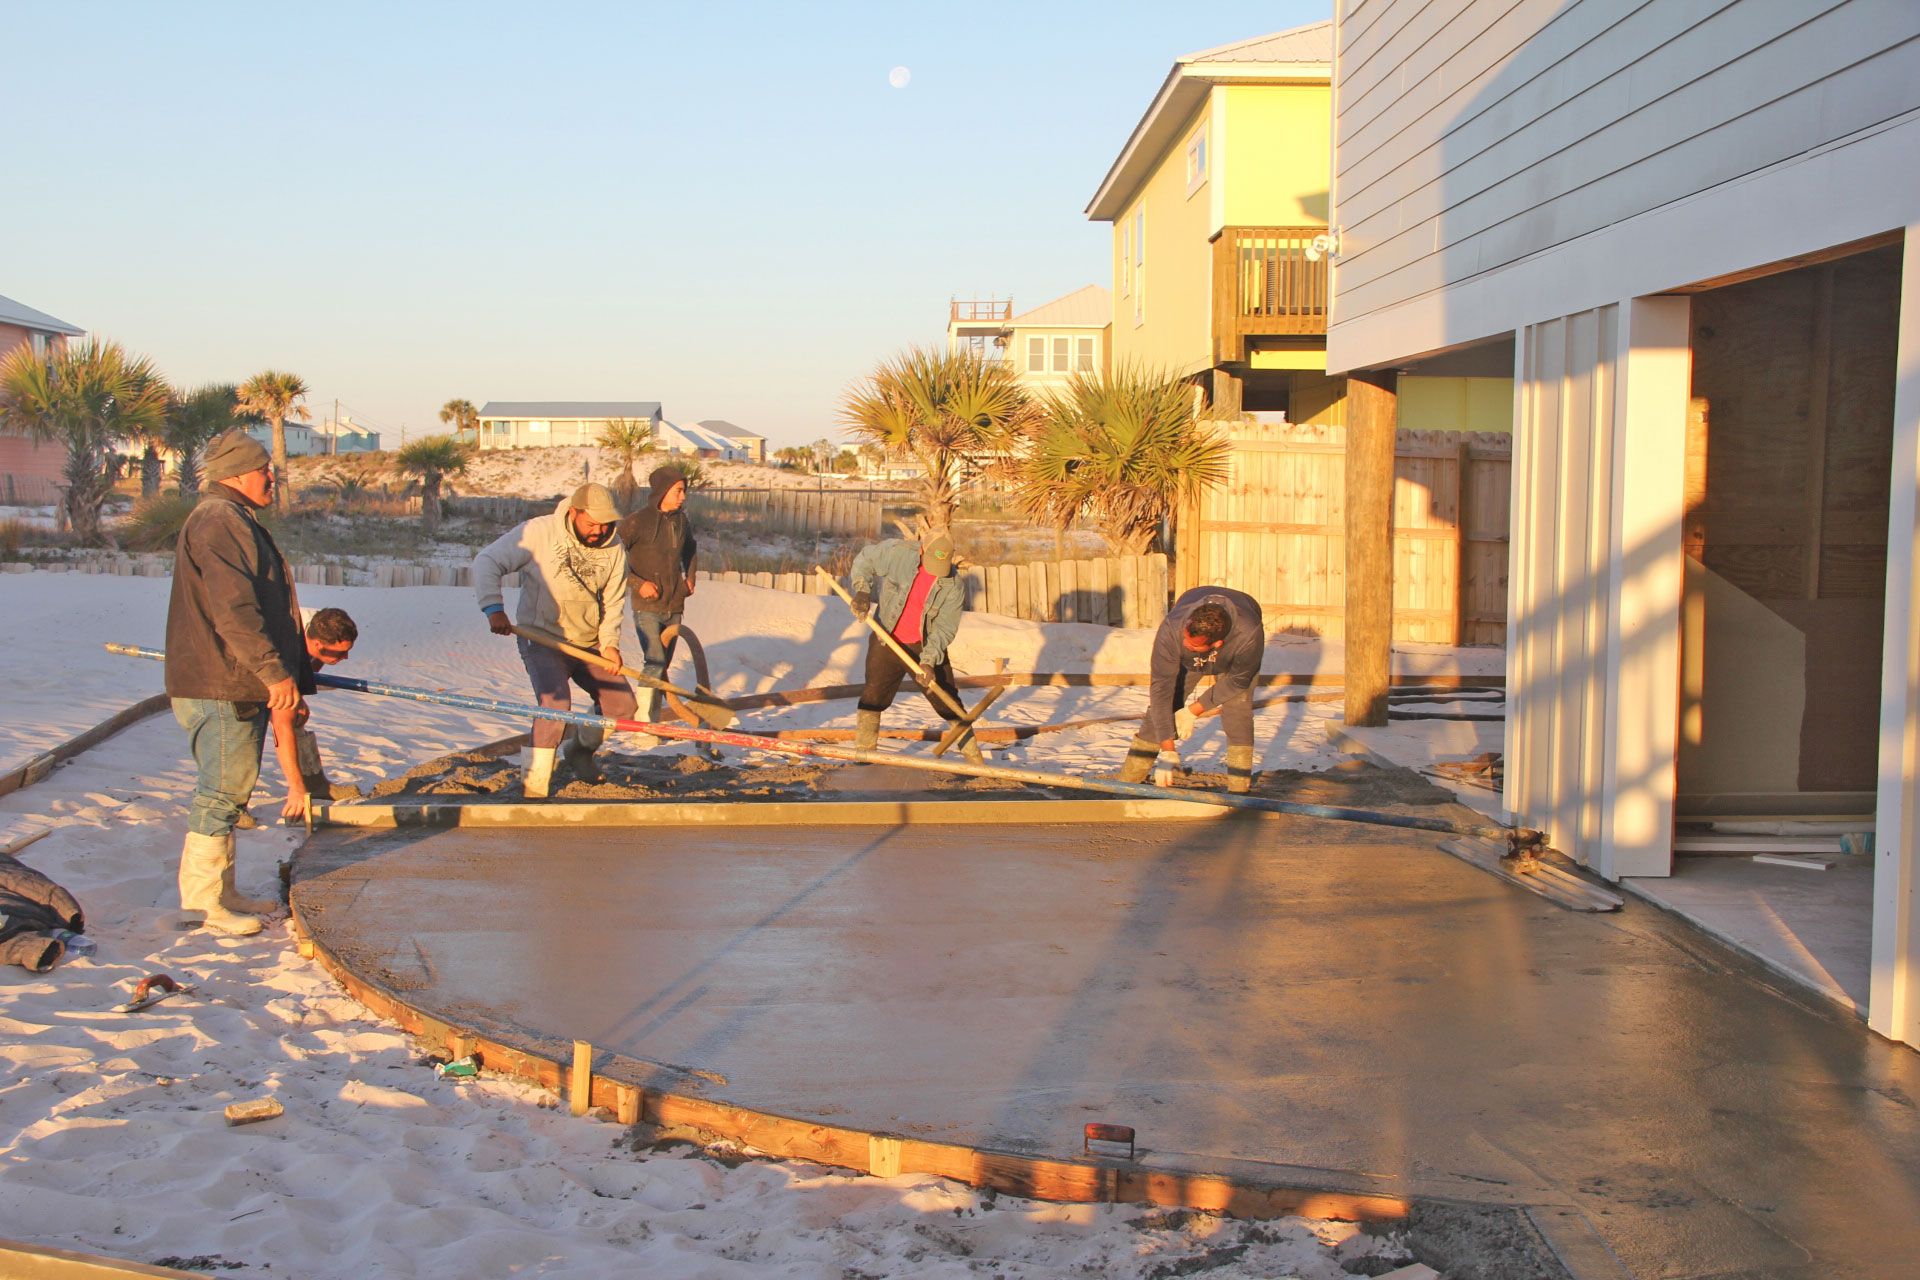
1511,129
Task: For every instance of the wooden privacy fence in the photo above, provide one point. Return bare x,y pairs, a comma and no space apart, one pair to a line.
1276,530
857,514
1115,591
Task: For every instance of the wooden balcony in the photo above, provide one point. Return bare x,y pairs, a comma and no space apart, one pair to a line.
1265,286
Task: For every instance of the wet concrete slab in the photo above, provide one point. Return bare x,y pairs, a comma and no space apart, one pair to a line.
1282,990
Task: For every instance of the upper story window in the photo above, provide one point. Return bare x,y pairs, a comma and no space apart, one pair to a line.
1197,159
1084,359
1036,355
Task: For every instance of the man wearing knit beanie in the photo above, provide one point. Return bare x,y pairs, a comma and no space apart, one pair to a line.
235,658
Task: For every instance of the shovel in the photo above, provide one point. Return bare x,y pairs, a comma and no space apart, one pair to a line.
687,705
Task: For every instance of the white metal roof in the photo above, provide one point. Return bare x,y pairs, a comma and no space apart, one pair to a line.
566,409
1088,308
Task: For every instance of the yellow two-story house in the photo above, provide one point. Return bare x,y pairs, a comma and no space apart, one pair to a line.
1216,202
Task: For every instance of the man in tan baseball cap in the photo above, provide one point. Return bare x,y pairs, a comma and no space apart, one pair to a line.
573,584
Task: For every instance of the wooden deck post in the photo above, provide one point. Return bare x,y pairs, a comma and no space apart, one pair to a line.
1371,421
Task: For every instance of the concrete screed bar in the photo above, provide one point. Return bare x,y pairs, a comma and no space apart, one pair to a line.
1517,839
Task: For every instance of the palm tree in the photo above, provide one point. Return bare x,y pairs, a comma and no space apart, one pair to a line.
1127,447
432,458
624,440
946,410
192,420
91,397
273,395
461,416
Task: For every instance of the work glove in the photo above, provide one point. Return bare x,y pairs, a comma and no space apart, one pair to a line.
862,604
1183,721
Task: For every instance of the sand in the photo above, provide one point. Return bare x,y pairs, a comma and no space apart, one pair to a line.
111,1133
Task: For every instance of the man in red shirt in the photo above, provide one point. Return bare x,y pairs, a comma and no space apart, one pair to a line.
920,604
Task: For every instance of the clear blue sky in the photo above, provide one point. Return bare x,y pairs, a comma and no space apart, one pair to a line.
721,206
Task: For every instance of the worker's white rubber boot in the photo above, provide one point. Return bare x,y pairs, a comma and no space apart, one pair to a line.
972,751
648,710
230,895
204,863
539,777
867,736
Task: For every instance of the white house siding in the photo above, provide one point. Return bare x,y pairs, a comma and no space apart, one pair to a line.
1475,138
1595,581
1549,169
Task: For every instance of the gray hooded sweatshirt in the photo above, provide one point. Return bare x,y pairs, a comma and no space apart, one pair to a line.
566,586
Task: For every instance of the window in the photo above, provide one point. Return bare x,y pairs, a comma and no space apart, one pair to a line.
1126,257
1197,159
1036,355
1061,363
1085,362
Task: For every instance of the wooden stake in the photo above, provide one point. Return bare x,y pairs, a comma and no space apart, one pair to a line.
1371,405
580,1083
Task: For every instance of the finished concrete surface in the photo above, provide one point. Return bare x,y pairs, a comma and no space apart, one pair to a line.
1283,990
1815,926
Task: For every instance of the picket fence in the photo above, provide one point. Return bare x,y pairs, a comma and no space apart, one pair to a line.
854,514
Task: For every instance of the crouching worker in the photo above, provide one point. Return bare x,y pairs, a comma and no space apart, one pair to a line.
920,604
235,657
573,584
1212,631
330,634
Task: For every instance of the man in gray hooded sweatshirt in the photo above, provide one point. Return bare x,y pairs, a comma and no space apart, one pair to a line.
571,585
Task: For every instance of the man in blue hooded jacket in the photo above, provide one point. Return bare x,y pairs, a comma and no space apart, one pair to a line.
919,606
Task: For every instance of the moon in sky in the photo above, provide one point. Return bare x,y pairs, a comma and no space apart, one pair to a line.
899,77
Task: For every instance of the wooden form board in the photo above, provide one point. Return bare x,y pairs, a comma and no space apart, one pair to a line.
633,1091
1276,529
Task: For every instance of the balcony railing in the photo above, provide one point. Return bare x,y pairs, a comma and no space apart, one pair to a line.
1264,285
979,310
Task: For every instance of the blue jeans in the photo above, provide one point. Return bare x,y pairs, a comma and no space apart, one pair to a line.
226,739
654,654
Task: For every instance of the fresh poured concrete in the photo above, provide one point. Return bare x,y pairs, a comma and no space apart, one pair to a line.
1282,991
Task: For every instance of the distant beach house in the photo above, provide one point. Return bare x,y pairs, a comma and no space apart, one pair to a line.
28,470
521,424
1047,345
1058,339
697,440
304,439
755,446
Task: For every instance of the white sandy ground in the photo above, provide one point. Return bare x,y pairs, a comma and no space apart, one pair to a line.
111,1133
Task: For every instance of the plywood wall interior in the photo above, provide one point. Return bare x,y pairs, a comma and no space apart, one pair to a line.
1789,447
